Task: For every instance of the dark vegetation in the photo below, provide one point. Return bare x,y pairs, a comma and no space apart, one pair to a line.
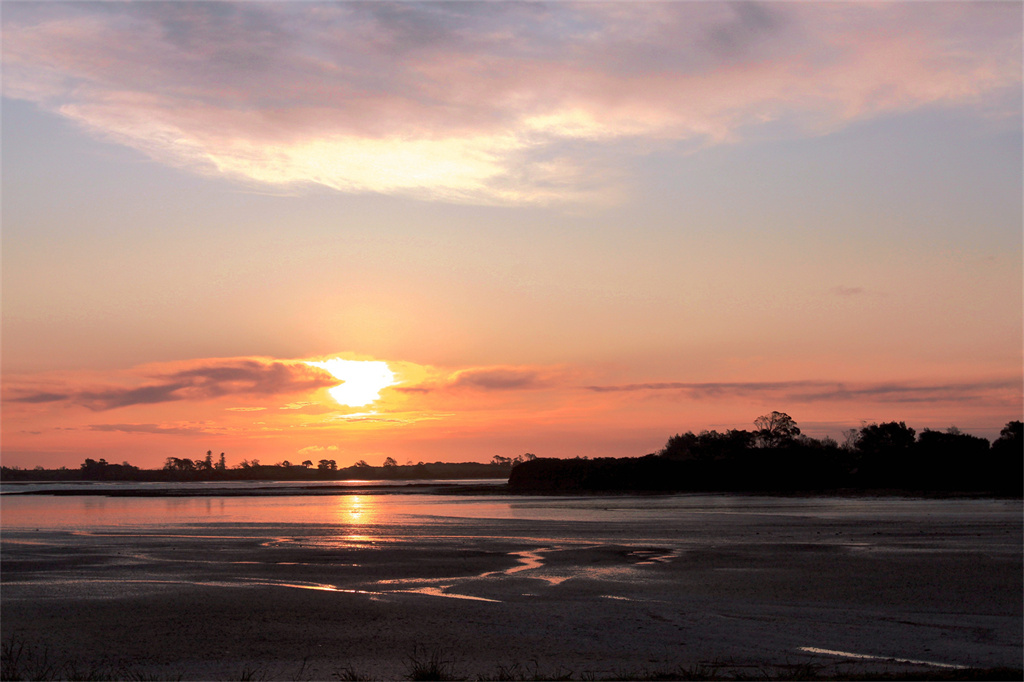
773,457
209,469
776,457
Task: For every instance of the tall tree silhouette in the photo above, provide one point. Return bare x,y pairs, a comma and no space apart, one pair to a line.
1006,460
885,453
775,429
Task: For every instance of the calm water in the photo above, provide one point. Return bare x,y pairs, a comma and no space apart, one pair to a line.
893,523
768,578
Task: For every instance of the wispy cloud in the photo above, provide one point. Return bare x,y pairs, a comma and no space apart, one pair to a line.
824,391
373,419
314,449
498,378
210,379
489,378
298,405
482,101
902,393
39,397
150,428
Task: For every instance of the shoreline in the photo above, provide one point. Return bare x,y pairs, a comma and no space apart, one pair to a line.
758,585
268,489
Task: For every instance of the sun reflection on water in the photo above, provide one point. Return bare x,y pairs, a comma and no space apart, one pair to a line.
358,513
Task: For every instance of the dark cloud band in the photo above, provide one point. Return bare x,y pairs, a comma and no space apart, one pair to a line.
818,391
240,377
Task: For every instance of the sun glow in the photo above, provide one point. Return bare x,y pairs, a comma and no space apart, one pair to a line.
363,380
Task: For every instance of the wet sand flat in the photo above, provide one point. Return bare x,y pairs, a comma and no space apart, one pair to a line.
750,586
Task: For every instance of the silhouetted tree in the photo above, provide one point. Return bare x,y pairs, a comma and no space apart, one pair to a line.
222,463
390,462
732,443
306,464
709,445
681,446
208,461
1011,437
884,454
886,437
1006,460
949,459
327,465
91,469
179,464
775,429
102,470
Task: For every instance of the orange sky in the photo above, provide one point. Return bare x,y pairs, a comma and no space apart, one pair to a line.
273,410
567,229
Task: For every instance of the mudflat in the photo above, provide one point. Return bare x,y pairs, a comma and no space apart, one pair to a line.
751,587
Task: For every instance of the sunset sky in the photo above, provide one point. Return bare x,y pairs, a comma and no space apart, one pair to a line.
564,229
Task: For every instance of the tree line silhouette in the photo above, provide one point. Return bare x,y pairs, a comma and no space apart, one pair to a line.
774,456
777,457
184,469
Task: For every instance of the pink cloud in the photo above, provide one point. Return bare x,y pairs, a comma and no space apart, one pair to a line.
202,380
162,429
471,101
1005,391
496,378
499,378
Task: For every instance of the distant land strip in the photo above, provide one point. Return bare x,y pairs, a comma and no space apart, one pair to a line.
775,457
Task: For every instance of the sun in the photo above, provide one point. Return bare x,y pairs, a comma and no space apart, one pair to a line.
363,380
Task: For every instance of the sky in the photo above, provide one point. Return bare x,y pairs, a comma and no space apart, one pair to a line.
433,231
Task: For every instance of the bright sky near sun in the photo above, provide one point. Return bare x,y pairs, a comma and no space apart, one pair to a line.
362,380
448,231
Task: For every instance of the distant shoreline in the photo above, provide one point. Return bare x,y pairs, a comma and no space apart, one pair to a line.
267,489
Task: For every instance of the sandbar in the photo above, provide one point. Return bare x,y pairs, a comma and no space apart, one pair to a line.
224,602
